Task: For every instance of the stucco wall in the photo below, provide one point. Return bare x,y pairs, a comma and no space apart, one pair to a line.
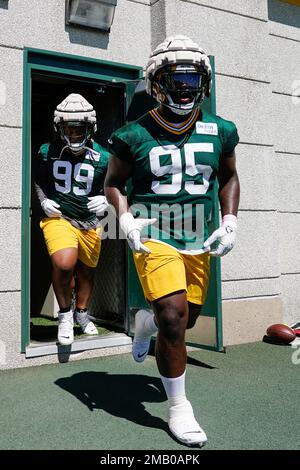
257,56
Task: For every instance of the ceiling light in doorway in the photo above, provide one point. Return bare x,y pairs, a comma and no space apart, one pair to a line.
97,14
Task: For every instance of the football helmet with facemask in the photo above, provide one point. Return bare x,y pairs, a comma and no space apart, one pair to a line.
75,122
178,74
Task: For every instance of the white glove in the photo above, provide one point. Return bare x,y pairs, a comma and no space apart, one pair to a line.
226,235
132,228
97,204
50,208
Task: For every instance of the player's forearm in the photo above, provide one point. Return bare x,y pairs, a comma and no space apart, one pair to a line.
118,173
41,180
40,192
118,200
229,195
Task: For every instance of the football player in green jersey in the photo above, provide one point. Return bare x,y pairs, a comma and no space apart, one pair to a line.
69,177
173,155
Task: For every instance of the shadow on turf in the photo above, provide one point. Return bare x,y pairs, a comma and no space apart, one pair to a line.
195,362
119,395
190,360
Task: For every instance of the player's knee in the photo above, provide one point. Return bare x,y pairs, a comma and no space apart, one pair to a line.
172,324
64,268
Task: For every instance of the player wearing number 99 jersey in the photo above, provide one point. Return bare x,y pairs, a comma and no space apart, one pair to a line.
69,175
71,180
173,155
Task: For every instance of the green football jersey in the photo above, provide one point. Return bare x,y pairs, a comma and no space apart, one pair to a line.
70,180
174,173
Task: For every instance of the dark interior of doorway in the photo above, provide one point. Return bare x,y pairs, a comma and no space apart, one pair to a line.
108,301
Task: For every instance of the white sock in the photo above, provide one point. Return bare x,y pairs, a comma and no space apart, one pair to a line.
150,325
181,419
175,389
68,314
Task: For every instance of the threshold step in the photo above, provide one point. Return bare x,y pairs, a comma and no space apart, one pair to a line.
106,341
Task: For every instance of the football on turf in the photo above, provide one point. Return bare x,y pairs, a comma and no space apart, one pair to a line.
281,333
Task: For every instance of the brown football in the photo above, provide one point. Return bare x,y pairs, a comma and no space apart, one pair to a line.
281,333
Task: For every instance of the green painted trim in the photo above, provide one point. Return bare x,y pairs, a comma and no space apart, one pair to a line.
204,346
49,70
219,328
47,62
219,307
65,63
218,293
78,58
213,90
25,214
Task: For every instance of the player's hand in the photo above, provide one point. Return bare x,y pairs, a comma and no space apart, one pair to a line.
51,208
132,228
225,235
97,204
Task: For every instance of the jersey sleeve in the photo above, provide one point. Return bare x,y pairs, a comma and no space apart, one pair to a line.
40,172
103,166
119,147
104,157
40,164
230,136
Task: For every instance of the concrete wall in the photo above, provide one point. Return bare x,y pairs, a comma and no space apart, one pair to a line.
41,25
257,54
284,36
256,47
237,34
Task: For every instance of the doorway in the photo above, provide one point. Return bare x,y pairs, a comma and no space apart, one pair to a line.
48,79
108,301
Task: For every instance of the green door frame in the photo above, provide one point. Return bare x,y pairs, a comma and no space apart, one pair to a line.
47,62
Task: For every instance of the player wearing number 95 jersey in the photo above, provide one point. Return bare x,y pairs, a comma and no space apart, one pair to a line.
173,155
69,175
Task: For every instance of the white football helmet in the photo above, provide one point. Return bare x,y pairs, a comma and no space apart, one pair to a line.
178,74
75,121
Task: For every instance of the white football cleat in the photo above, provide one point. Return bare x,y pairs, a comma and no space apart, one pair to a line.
142,338
184,427
65,334
87,326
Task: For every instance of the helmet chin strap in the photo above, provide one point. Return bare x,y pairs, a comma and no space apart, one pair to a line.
178,109
78,152
77,149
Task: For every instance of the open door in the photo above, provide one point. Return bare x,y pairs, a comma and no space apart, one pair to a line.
207,332
108,301
48,79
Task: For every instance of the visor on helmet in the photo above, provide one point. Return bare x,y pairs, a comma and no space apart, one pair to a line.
174,81
182,87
